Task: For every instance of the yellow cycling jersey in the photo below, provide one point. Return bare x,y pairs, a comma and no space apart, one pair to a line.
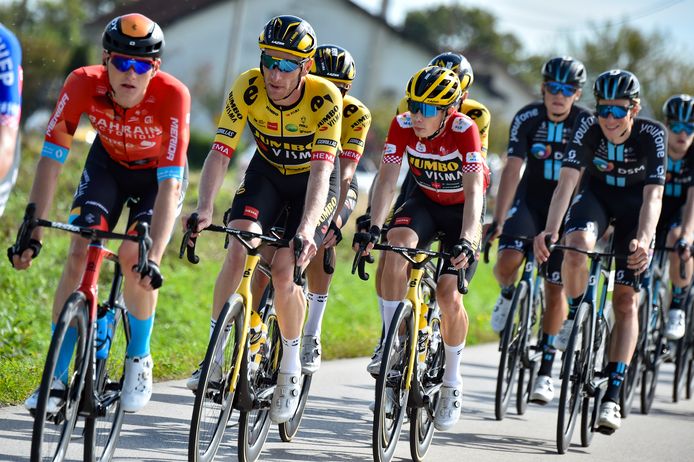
356,120
290,137
477,111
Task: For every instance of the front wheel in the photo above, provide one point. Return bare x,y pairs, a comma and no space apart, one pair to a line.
102,431
52,431
215,394
391,385
512,340
654,346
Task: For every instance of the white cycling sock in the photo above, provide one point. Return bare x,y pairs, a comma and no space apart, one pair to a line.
291,360
380,308
389,308
316,309
451,376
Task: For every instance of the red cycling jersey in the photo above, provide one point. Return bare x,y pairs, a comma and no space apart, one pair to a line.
438,164
153,134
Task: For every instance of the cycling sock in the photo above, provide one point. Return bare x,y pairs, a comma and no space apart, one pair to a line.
507,291
140,334
291,361
380,307
62,366
316,309
678,296
389,309
616,372
574,303
548,352
451,376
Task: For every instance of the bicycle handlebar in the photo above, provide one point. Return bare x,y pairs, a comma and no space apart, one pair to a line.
242,236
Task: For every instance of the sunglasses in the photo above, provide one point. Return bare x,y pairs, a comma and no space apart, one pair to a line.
678,127
618,112
284,65
124,63
565,89
427,110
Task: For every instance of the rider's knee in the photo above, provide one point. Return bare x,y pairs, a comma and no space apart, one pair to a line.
624,301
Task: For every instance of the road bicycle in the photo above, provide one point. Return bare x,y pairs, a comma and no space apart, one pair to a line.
94,383
236,373
585,357
413,360
520,342
683,354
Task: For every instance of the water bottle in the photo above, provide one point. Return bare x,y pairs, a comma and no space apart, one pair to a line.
423,337
258,336
104,331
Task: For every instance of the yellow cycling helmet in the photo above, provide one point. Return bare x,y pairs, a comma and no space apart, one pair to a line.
434,85
290,34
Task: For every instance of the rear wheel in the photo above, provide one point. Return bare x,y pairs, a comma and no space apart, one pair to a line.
422,419
215,394
102,431
254,425
512,339
52,431
572,377
391,387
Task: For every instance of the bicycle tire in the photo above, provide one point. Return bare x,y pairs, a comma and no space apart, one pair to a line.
682,356
213,400
254,425
59,427
596,364
532,350
633,375
103,430
574,361
512,338
391,390
654,346
422,419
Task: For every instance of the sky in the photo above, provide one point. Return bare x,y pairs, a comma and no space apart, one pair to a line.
544,25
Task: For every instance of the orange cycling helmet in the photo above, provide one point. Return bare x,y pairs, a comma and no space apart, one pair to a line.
290,34
434,85
134,35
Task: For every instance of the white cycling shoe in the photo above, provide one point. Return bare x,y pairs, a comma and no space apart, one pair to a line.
562,338
543,390
285,399
55,401
610,418
500,313
674,329
137,384
449,407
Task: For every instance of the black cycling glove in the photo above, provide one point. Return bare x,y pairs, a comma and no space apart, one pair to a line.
363,223
336,231
34,244
152,270
466,248
363,238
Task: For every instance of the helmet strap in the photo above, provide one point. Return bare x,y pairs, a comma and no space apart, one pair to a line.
441,125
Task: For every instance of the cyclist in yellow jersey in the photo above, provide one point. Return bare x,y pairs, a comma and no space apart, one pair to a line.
336,65
478,112
295,119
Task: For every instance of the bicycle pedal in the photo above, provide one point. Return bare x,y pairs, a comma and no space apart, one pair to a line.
605,430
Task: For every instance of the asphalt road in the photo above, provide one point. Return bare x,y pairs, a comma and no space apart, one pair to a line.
337,425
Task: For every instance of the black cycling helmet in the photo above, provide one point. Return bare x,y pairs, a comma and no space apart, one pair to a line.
616,84
434,85
334,63
135,35
290,34
458,64
679,108
564,69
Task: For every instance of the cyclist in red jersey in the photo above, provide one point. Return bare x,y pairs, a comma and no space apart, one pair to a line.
444,154
141,115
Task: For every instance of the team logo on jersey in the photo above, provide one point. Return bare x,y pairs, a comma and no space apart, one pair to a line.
388,149
541,151
404,120
420,147
461,124
251,212
603,165
473,158
226,132
403,221
291,127
272,125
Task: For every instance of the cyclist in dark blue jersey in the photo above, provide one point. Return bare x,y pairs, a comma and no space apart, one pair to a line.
623,158
676,222
10,109
538,138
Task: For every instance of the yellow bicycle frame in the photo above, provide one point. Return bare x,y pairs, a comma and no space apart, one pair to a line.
412,295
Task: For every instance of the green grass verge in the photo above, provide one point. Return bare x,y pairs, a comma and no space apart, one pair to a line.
351,325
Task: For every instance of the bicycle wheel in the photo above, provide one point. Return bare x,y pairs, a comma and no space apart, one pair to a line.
575,360
103,429
512,339
214,399
595,364
422,419
391,389
254,425
633,375
532,350
683,356
654,345
52,432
